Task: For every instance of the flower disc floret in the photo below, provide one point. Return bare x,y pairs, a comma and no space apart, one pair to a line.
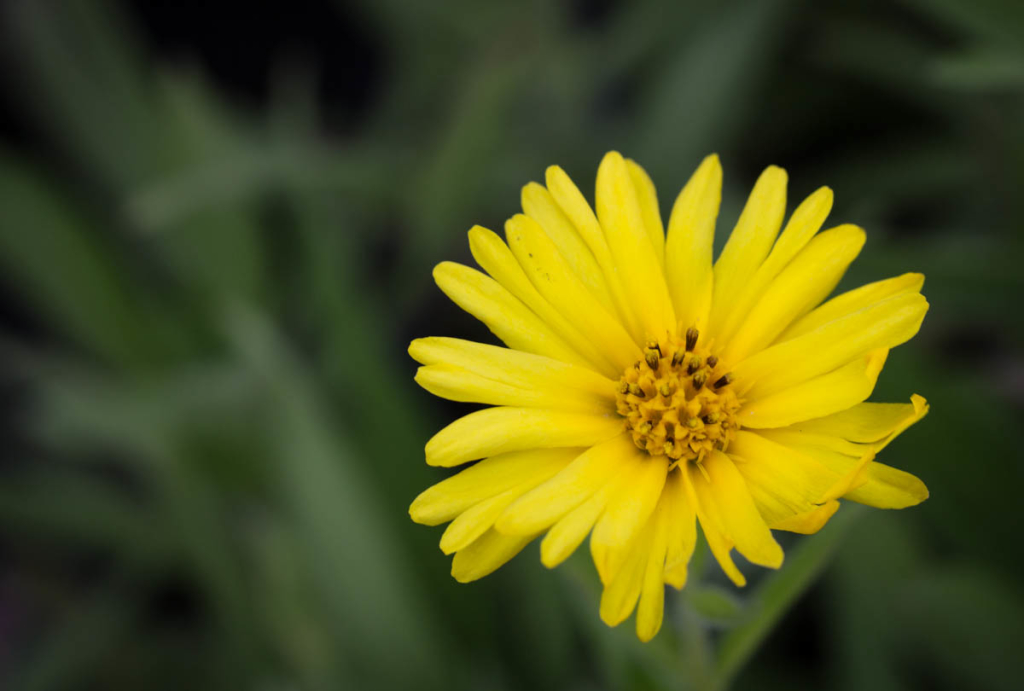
677,400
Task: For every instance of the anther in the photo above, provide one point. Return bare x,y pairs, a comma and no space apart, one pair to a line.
694,365
665,390
692,423
623,387
652,357
711,419
712,361
724,381
677,357
636,390
653,345
691,338
698,380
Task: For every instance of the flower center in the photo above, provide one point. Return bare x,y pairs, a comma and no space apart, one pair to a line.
677,401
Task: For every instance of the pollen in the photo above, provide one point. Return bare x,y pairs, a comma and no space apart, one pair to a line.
677,400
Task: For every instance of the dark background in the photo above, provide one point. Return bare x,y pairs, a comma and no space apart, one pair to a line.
217,224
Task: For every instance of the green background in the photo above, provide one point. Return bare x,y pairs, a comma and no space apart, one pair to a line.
211,435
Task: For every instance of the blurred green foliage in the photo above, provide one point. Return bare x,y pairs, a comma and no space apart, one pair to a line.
211,431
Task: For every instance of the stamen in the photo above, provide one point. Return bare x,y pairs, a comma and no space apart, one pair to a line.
699,380
678,357
695,365
724,381
652,356
712,361
691,338
637,391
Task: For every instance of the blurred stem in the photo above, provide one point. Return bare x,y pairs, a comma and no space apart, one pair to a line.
697,656
780,590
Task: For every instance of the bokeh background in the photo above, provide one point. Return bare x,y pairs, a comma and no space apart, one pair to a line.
217,226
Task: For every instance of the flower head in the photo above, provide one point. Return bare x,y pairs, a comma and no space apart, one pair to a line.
646,389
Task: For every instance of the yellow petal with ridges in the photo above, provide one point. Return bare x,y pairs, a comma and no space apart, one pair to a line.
883,325
809,522
486,554
542,507
749,243
619,598
889,488
577,210
491,476
783,481
512,367
805,282
853,301
554,279
647,197
457,384
710,522
539,205
651,610
504,314
688,248
824,395
682,536
802,226
627,512
621,219
495,257
738,514
570,530
493,431
867,422
475,521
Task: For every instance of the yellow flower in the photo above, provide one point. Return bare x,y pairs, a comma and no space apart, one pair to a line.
646,389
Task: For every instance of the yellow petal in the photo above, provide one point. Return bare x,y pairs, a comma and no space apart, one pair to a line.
737,512
475,521
682,535
492,431
802,226
491,476
868,422
622,221
627,511
554,279
814,398
495,257
651,610
572,203
749,243
569,532
647,197
804,283
506,316
620,596
542,507
710,522
889,488
539,205
488,552
513,367
883,325
854,301
457,384
688,249
784,482
809,522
